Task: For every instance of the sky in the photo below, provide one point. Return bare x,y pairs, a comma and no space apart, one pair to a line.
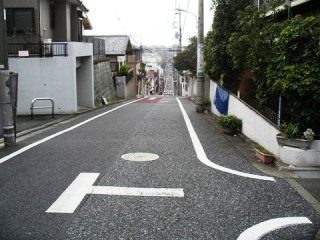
147,22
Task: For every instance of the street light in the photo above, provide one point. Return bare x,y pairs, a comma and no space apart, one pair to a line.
186,11
182,10
200,73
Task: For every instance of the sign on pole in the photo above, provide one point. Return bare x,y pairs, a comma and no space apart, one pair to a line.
200,61
3,38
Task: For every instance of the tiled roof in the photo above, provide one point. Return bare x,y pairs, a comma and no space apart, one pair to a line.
117,45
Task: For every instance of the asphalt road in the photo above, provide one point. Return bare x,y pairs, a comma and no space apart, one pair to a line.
71,182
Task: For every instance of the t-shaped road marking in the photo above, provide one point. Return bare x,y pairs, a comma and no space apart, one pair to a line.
70,199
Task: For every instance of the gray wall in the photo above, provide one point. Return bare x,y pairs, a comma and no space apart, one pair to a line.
103,81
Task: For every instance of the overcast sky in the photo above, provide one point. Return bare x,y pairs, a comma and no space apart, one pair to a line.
147,22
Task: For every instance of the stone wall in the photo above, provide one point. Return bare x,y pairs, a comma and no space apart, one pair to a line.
103,81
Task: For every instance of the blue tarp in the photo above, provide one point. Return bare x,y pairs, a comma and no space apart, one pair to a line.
221,100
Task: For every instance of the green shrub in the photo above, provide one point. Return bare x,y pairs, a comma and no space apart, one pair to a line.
290,130
230,121
124,70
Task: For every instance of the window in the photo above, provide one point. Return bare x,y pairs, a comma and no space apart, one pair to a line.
20,20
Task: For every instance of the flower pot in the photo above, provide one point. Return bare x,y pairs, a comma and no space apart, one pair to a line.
294,142
228,131
263,157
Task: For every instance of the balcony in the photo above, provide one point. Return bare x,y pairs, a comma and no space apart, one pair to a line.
37,49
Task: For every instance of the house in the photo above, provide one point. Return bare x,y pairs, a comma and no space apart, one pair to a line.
290,8
120,51
45,49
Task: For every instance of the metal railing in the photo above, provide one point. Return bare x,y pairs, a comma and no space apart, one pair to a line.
37,49
42,107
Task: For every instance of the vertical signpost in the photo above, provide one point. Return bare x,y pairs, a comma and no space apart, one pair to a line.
200,74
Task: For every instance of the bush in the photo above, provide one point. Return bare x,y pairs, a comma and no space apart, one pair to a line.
230,121
290,130
124,70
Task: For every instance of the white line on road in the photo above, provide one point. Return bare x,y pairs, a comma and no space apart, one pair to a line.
6,158
258,231
74,194
145,192
203,157
70,199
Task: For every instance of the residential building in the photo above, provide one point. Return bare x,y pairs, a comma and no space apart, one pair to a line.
293,7
119,51
45,49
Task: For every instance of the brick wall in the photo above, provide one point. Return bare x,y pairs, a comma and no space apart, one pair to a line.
103,82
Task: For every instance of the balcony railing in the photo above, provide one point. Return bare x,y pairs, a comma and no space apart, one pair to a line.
37,49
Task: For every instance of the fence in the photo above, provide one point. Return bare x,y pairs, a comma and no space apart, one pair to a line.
37,49
98,44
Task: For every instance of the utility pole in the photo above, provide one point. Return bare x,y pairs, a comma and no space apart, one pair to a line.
8,124
180,33
200,74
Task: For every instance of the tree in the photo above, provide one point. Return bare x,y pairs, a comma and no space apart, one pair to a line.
294,71
252,45
187,59
218,63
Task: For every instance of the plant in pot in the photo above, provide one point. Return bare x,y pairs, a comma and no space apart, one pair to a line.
230,123
263,154
291,136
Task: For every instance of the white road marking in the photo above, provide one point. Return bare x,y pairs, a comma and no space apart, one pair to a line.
74,194
70,199
143,192
258,231
151,99
203,157
6,158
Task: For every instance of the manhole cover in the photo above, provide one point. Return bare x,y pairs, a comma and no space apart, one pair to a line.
140,157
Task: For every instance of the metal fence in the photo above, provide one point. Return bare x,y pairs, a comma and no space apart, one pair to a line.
270,114
98,44
37,49
273,115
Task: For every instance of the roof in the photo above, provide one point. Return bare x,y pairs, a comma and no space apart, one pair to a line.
116,45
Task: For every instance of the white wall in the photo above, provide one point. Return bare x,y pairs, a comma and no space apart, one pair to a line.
68,80
263,132
38,78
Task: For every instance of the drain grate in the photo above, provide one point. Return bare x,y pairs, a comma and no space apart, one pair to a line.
140,157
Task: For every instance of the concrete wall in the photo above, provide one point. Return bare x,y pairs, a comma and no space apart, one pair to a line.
68,80
263,132
85,83
44,25
46,77
131,89
121,87
103,81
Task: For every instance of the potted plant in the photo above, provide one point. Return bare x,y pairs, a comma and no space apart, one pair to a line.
263,154
230,123
291,136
